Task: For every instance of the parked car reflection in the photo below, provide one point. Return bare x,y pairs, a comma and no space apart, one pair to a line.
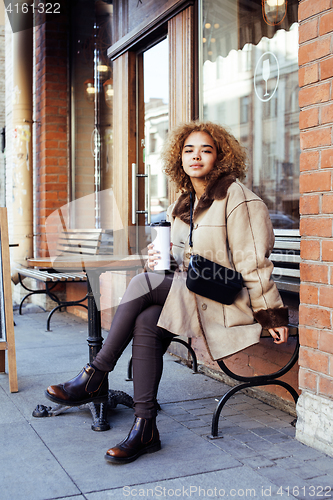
283,221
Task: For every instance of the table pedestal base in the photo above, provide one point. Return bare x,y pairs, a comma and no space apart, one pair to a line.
98,411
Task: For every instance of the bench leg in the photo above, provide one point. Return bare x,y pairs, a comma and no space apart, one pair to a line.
47,291
220,405
56,309
233,390
28,295
191,351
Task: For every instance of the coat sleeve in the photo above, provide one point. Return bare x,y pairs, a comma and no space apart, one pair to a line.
251,240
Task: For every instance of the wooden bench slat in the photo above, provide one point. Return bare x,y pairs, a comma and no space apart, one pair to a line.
282,271
286,259
287,245
79,250
39,275
282,257
70,277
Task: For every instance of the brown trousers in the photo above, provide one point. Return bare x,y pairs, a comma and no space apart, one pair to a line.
136,318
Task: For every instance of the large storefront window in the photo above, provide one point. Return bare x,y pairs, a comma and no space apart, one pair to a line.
249,84
91,113
156,97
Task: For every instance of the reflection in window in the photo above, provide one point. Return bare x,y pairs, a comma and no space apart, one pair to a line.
92,108
250,85
156,95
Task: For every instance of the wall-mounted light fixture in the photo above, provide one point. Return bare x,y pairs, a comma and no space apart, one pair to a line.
90,90
274,11
102,68
108,91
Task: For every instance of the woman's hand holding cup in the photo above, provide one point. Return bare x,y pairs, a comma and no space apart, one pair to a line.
153,256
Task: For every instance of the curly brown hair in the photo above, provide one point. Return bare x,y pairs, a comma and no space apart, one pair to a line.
231,155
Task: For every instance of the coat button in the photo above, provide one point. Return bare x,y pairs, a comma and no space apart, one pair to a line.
204,307
188,255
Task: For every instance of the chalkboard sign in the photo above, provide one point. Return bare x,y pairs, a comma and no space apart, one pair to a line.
7,339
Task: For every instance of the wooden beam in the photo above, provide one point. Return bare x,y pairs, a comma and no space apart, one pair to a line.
182,80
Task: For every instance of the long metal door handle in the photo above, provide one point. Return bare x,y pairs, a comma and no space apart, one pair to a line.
133,193
148,173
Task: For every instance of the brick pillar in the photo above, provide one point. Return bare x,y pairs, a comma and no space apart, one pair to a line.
52,116
315,406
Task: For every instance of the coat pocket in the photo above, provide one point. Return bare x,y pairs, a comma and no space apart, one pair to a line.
240,312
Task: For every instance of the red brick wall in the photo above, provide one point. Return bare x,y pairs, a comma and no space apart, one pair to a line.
52,112
316,202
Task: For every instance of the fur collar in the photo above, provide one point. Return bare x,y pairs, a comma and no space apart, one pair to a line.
216,190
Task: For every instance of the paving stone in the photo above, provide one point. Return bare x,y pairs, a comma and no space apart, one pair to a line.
256,413
324,463
268,450
281,477
242,407
192,424
288,431
236,418
306,471
208,418
185,419
189,405
174,412
204,432
248,423
200,411
283,424
227,430
320,487
300,451
278,439
249,437
227,411
236,449
266,419
257,462
287,463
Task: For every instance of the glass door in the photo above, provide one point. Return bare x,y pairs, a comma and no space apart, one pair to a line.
156,98
151,187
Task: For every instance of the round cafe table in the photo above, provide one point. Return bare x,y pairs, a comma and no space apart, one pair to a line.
93,266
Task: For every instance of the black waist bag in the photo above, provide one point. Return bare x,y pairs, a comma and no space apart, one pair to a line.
209,279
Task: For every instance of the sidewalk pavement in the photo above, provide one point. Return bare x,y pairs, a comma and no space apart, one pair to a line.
62,458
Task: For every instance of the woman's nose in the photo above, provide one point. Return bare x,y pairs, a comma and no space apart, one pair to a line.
196,156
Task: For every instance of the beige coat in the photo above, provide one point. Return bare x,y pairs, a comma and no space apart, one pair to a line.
231,227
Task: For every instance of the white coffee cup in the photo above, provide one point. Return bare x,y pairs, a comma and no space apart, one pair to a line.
160,232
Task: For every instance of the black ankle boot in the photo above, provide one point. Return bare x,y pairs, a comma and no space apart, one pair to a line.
142,438
90,385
